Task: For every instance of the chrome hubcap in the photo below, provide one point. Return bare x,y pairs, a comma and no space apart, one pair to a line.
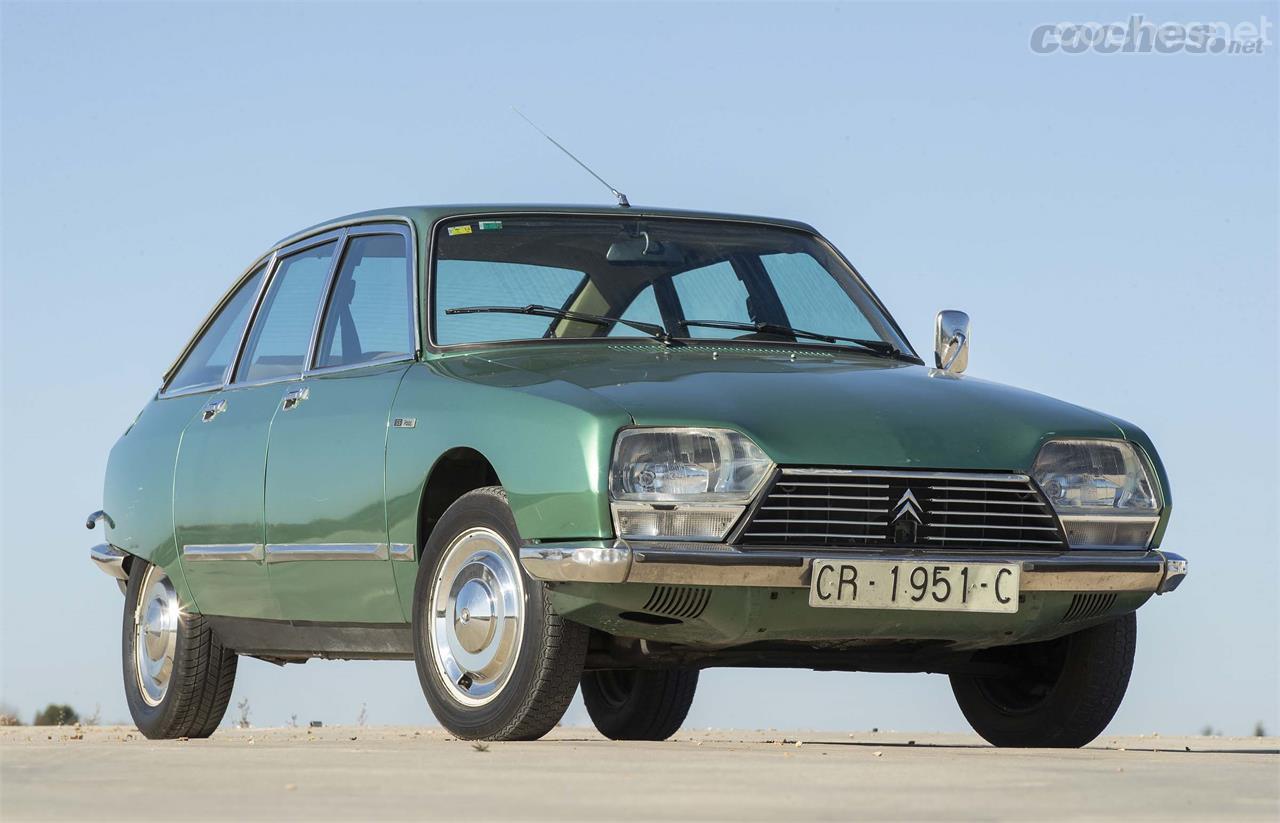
477,616
155,635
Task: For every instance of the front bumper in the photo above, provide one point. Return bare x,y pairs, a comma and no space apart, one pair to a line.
694,564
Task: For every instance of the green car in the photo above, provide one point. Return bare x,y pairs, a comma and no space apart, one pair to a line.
538,448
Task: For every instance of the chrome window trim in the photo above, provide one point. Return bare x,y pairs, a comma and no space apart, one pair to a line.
335,237
430,270
381,361
268,263
292,552
370,224
326,294
223,551
364,230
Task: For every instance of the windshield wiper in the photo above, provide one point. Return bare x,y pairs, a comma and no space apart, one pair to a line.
879,347
537,310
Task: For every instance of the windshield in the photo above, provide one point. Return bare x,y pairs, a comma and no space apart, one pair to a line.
669,272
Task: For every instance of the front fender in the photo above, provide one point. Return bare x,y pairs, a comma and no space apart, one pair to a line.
548,441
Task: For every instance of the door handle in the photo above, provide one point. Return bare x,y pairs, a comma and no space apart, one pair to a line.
293,397
212,409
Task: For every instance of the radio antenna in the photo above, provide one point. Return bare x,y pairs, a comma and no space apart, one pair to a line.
622,198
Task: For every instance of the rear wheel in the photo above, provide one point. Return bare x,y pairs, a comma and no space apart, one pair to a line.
496,662
177,676
1058,694
639,704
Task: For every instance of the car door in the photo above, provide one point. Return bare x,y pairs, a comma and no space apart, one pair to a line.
326,523
218,479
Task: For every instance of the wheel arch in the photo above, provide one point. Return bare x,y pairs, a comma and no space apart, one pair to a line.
459,470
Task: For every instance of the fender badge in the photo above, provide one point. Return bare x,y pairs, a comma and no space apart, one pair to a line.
404,422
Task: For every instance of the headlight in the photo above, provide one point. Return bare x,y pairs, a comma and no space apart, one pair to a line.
1102,491
683,484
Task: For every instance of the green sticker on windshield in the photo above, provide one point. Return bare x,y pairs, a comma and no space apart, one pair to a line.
488,225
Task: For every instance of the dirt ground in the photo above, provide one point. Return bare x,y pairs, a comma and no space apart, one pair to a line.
397,772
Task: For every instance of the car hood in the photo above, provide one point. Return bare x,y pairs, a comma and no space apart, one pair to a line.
808,407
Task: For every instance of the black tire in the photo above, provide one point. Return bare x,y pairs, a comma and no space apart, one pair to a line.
551,649
639,704
199,683
1064,691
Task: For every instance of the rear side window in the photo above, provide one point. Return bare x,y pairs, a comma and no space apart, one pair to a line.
281,336
208,360
370,314
462,283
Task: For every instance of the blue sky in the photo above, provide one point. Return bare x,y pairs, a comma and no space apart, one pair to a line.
1110,223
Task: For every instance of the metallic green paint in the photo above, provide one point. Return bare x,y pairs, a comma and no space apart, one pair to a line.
217,498
324,484
138,490
545,416
549,442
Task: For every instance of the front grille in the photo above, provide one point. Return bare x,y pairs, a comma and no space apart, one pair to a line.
892,509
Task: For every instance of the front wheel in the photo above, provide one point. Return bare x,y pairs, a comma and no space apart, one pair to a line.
1057,694
639,704
495,660
177,676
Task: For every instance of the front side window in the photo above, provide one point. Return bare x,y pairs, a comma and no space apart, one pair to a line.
369,316
280,340
206,364
764,281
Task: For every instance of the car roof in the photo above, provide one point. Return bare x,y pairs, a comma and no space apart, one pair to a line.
424,217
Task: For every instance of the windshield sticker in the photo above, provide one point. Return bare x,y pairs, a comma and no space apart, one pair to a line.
490,225
459,230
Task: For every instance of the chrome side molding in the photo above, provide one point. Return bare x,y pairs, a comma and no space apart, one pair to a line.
222,551
291,552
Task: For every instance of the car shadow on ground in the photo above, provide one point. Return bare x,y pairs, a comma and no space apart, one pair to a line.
911,744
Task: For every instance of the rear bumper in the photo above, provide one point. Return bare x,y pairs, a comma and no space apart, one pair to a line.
111,561
721,565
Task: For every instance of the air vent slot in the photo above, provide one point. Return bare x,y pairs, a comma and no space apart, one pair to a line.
684,602
1086,606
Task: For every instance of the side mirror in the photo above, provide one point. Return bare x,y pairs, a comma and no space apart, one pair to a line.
951,341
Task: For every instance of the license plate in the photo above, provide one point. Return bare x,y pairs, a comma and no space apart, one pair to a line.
891,584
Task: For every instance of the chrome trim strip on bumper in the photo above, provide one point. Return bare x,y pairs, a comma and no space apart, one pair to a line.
110,560
1001,477
719,565
290,552
222,551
